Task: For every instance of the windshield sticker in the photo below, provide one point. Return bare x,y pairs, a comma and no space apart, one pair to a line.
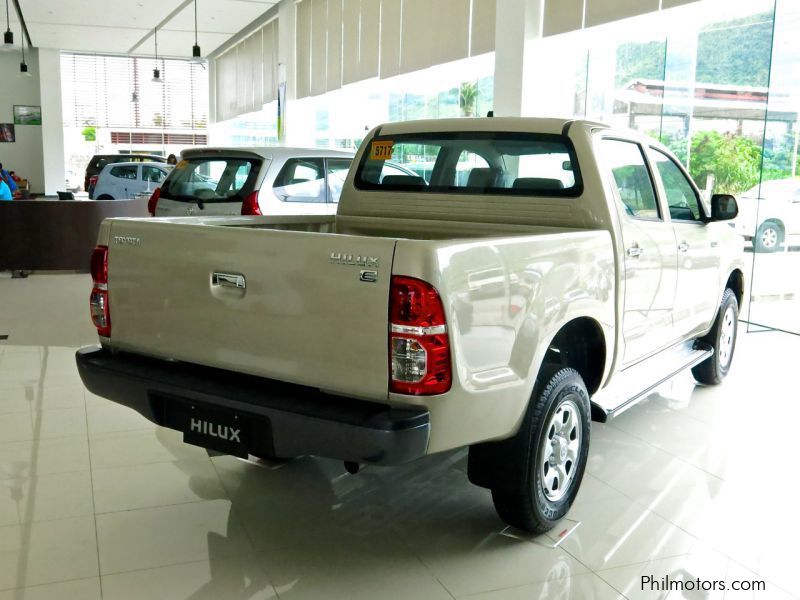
381,150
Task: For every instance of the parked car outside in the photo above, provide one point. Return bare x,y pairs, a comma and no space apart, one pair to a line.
769,214
99,161
125,180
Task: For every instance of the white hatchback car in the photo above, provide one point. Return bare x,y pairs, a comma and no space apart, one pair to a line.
129,179
253,181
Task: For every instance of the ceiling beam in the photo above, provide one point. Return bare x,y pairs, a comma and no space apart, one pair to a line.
25,32
163,22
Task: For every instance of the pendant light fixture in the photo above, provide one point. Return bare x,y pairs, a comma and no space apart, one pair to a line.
23,66
8,36
156,70
196,48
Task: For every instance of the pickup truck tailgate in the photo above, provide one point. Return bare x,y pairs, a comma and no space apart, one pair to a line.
259,301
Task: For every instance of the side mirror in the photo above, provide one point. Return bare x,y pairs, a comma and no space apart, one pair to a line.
723,207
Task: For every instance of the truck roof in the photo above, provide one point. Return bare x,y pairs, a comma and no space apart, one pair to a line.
514,124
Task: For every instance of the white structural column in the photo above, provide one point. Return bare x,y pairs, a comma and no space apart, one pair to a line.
52,120
287,64
518,34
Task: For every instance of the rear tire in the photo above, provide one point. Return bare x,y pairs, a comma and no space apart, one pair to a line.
540,480
722,338
769,237
104,197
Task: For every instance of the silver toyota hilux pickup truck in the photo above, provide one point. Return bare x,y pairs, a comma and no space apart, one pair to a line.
533,276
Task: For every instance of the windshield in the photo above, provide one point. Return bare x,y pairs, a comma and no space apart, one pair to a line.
211,179
471,163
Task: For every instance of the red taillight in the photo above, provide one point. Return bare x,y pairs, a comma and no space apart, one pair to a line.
98,300
92,180
100,265
419,349
153,202
250,205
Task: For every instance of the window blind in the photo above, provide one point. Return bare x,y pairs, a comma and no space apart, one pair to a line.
246,75
117,91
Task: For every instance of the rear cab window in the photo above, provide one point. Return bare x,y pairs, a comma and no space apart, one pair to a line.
489,163
212,179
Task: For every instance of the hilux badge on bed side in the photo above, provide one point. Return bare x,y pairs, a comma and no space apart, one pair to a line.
356,260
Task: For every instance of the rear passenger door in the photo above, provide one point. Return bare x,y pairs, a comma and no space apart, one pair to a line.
649,277
698,288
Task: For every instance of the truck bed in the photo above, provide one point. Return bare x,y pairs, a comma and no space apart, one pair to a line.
287,298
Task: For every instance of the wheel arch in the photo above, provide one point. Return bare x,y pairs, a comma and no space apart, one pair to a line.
581,345
777,221
736,283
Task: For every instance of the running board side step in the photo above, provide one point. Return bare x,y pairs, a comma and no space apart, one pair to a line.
638,381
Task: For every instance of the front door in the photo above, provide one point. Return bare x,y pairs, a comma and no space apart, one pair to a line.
649,253
697,295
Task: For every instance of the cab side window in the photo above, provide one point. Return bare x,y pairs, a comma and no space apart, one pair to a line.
301,180
631,178
684,205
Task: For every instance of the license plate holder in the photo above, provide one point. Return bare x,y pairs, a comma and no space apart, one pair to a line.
222,431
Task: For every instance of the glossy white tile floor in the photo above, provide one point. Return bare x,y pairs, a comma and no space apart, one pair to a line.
95,502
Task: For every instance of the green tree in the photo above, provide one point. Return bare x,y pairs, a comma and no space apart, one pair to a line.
736,52
639,60
778,153
734,161
89,133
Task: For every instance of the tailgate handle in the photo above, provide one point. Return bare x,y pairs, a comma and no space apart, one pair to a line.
234,280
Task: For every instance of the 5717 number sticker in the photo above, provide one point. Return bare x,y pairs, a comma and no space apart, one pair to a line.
381,150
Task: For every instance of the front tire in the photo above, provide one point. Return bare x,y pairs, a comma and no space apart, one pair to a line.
550,450
722,338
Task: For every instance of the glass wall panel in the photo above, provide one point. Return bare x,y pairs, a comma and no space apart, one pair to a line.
710,82
772,208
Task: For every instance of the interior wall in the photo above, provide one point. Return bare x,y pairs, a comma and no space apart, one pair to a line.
25,156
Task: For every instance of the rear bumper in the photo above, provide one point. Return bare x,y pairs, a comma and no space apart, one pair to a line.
283,420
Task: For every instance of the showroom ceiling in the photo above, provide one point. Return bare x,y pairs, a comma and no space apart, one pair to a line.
123,26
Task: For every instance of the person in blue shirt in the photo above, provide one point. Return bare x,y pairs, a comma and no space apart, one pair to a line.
6,176
5,191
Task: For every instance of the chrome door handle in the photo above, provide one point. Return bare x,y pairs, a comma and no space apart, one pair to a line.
233,280
683,247
634,251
